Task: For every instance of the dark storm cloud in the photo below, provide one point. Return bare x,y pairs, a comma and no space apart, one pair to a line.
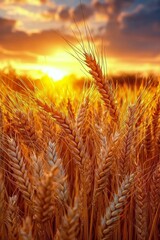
133,33
132,29
135,46
118,5
145,22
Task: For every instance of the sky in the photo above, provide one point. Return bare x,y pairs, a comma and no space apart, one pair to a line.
34,34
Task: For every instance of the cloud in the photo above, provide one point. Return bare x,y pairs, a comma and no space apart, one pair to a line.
29,18
41,43
6,25
79,13
85,11
32,2
82,12
101,7
64,13
118,5
23,56
134,33
111,7
145,22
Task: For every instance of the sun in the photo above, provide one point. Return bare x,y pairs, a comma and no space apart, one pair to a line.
54,73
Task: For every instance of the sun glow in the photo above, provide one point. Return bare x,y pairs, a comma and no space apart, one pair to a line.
54,73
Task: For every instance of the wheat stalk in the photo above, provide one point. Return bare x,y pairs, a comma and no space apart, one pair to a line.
12,218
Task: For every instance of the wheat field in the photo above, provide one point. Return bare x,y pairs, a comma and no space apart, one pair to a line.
83,165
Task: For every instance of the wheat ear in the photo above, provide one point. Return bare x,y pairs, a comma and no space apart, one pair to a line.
47,126
141,206
81,115
12,218
48,195
156,118
1,134
38,168
70,225
155,189
115,208
70,109
53,160
2,203
75,143
25,232
127,143
103,86
103,170
148,141
20,173
25,125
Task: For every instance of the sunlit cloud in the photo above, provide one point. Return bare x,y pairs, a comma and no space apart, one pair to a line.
31,2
